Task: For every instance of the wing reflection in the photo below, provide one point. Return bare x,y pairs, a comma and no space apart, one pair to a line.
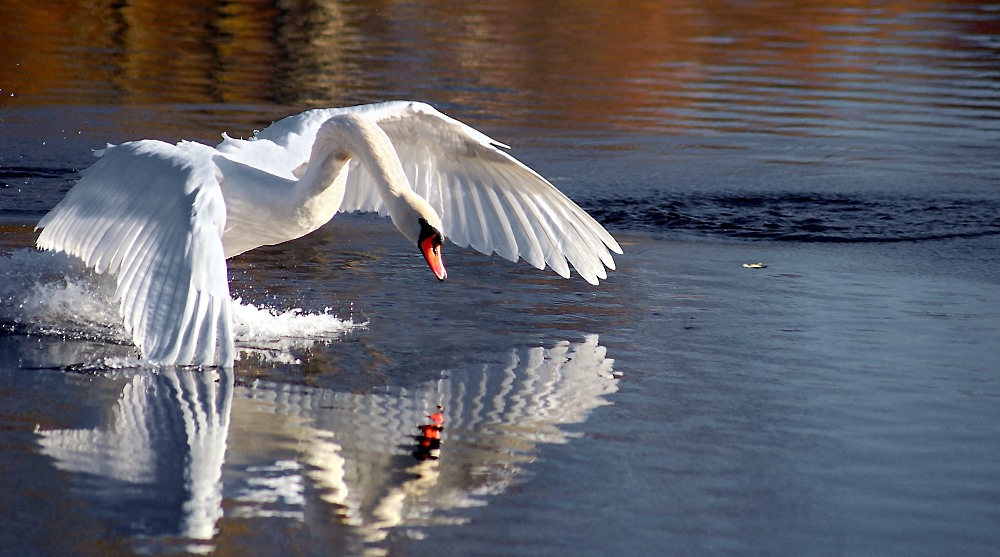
358,449
332,460
158,466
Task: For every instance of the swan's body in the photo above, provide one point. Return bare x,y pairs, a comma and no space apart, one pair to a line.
164,218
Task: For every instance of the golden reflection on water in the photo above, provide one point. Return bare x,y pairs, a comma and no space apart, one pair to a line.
607,63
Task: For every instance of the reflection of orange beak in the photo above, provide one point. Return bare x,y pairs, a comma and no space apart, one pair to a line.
431,248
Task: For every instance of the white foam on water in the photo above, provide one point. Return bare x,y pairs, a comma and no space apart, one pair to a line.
52,294
49,293
276,332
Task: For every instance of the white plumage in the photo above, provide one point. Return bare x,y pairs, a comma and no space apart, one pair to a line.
163,218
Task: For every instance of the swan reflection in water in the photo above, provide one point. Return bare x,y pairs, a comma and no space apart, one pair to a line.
157,466
186,450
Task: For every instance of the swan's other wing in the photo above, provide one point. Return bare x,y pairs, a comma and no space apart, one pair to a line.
152,214
486,198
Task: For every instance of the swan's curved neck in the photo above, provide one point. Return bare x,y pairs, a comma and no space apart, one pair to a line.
259,212
338,140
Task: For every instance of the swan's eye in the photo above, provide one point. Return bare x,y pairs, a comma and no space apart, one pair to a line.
429,233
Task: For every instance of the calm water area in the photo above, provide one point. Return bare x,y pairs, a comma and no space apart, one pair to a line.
842,400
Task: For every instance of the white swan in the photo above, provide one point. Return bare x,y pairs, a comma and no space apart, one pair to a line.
164,218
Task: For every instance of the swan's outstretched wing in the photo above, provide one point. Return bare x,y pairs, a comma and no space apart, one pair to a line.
486,198
152,214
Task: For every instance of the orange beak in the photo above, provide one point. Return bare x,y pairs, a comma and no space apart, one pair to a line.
431,248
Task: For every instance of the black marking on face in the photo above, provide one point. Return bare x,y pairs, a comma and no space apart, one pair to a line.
428,231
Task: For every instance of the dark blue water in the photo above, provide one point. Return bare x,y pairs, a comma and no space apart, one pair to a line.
799,217
841,400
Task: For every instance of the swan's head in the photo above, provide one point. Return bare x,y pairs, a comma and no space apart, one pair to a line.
429,242
419,222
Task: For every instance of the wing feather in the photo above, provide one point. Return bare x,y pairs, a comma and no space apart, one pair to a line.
521,234
478,222
152,214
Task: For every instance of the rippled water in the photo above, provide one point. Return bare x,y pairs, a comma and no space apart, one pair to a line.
815,406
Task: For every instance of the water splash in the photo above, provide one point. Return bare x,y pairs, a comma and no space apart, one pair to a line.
44,293
274,332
